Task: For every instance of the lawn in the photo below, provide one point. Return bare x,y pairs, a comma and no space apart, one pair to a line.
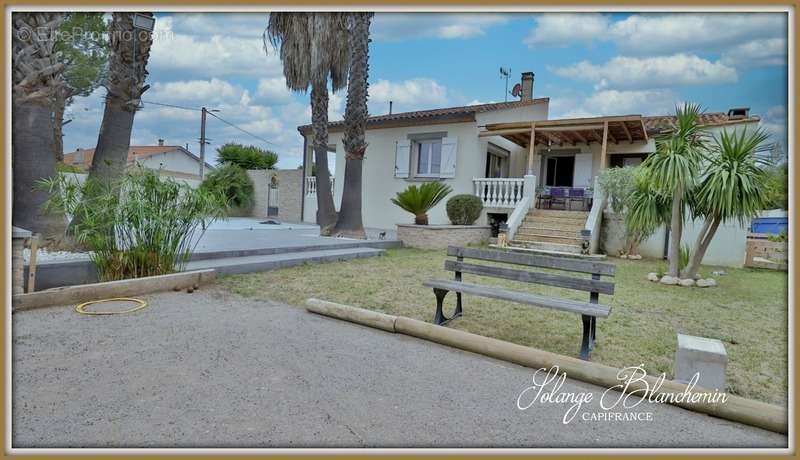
747,311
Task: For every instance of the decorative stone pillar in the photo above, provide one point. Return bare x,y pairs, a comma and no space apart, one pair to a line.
18,237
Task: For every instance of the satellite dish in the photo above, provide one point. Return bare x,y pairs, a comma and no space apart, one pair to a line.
516,91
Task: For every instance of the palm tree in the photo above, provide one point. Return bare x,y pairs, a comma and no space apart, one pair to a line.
420,200
646,211
37,77
129,50
733,187
350,222
673,171
313,48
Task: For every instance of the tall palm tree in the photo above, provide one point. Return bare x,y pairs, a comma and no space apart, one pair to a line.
37,77
129,50
350,222
733,187
314,48
673,171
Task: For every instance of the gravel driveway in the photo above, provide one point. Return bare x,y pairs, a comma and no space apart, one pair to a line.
211,369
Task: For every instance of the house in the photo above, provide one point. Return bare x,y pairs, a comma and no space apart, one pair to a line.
169,160
490,150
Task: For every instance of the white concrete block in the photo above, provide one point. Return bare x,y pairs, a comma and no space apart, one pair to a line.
704,356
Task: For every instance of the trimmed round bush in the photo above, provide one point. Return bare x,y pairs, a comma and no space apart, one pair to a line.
464,209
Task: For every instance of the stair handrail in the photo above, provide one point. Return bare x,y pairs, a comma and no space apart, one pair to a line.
591,229
523,206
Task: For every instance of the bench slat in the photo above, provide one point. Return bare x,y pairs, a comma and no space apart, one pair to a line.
534,260
549,279
572,306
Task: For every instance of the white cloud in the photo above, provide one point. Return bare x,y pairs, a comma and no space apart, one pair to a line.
614,102
730,34
562,29
629,72
771,51
413,94
214,55
395,27
776,123
273,90
196,92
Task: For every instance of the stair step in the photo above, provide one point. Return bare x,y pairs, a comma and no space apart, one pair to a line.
537,237
260,263
556,219
564,226
563,233
552,247
559,213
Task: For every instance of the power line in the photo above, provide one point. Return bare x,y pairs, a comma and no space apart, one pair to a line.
240,129
173,105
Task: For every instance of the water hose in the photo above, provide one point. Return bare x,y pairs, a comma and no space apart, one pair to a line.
81,308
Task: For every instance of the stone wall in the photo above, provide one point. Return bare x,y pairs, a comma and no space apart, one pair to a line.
441,236
17,266
287,197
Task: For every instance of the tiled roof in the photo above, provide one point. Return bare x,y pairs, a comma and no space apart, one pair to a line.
662,123
436,114
135,152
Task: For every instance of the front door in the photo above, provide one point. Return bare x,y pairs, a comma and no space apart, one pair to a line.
559,172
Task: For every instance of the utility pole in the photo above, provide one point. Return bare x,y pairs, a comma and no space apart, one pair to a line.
203,143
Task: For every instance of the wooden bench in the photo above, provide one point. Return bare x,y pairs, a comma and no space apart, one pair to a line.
589,311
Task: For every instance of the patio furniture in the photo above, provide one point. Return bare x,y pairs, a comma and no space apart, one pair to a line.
559,195
589,311
577,194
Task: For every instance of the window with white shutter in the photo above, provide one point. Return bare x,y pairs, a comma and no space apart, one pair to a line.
449,156
402,159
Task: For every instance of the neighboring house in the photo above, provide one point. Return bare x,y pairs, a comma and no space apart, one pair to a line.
486,150
169,160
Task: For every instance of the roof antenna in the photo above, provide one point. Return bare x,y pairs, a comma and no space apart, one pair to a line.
390,107
504,73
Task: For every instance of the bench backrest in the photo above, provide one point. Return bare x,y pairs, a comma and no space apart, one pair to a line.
594,285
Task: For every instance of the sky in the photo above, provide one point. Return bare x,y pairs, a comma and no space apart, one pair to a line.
588,64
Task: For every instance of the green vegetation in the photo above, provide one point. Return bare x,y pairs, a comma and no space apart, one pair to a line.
748,311
464,209
246,157
148,229
231,183
420,200
778,187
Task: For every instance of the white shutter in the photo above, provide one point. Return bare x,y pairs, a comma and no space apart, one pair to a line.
449,155
402,159
583,170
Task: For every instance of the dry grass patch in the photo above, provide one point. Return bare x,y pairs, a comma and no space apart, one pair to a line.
747,311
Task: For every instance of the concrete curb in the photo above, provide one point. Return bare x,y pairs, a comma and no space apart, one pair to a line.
122,288
749,412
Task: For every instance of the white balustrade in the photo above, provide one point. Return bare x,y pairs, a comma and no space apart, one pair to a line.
498,192
311,185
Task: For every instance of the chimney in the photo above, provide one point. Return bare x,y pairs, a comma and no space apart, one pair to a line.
738,113
527,86
390,107
161,142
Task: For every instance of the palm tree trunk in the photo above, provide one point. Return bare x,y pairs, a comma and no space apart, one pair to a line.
704,239
33,159
326,211
113,142
676,227
350,222
58,132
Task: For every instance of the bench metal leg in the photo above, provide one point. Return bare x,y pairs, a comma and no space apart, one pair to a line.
587,344
438,317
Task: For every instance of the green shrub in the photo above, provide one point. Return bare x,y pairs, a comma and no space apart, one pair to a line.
247,157
419,200
141,225
619,184
464,209
781,237
231,183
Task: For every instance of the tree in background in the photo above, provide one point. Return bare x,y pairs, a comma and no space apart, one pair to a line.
83,49
733,186
37,77
350,222
129,50
247,157
673,170
314,48
232,185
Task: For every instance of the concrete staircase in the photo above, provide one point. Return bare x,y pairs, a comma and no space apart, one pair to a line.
551,231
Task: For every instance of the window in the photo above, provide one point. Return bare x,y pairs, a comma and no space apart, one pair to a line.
429,157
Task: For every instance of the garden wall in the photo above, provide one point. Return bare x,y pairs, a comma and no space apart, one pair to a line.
287,197
441,236
727,248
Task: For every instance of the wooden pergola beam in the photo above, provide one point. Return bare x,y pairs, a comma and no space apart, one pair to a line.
501,132
580,137
531,147
552,137
627,132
